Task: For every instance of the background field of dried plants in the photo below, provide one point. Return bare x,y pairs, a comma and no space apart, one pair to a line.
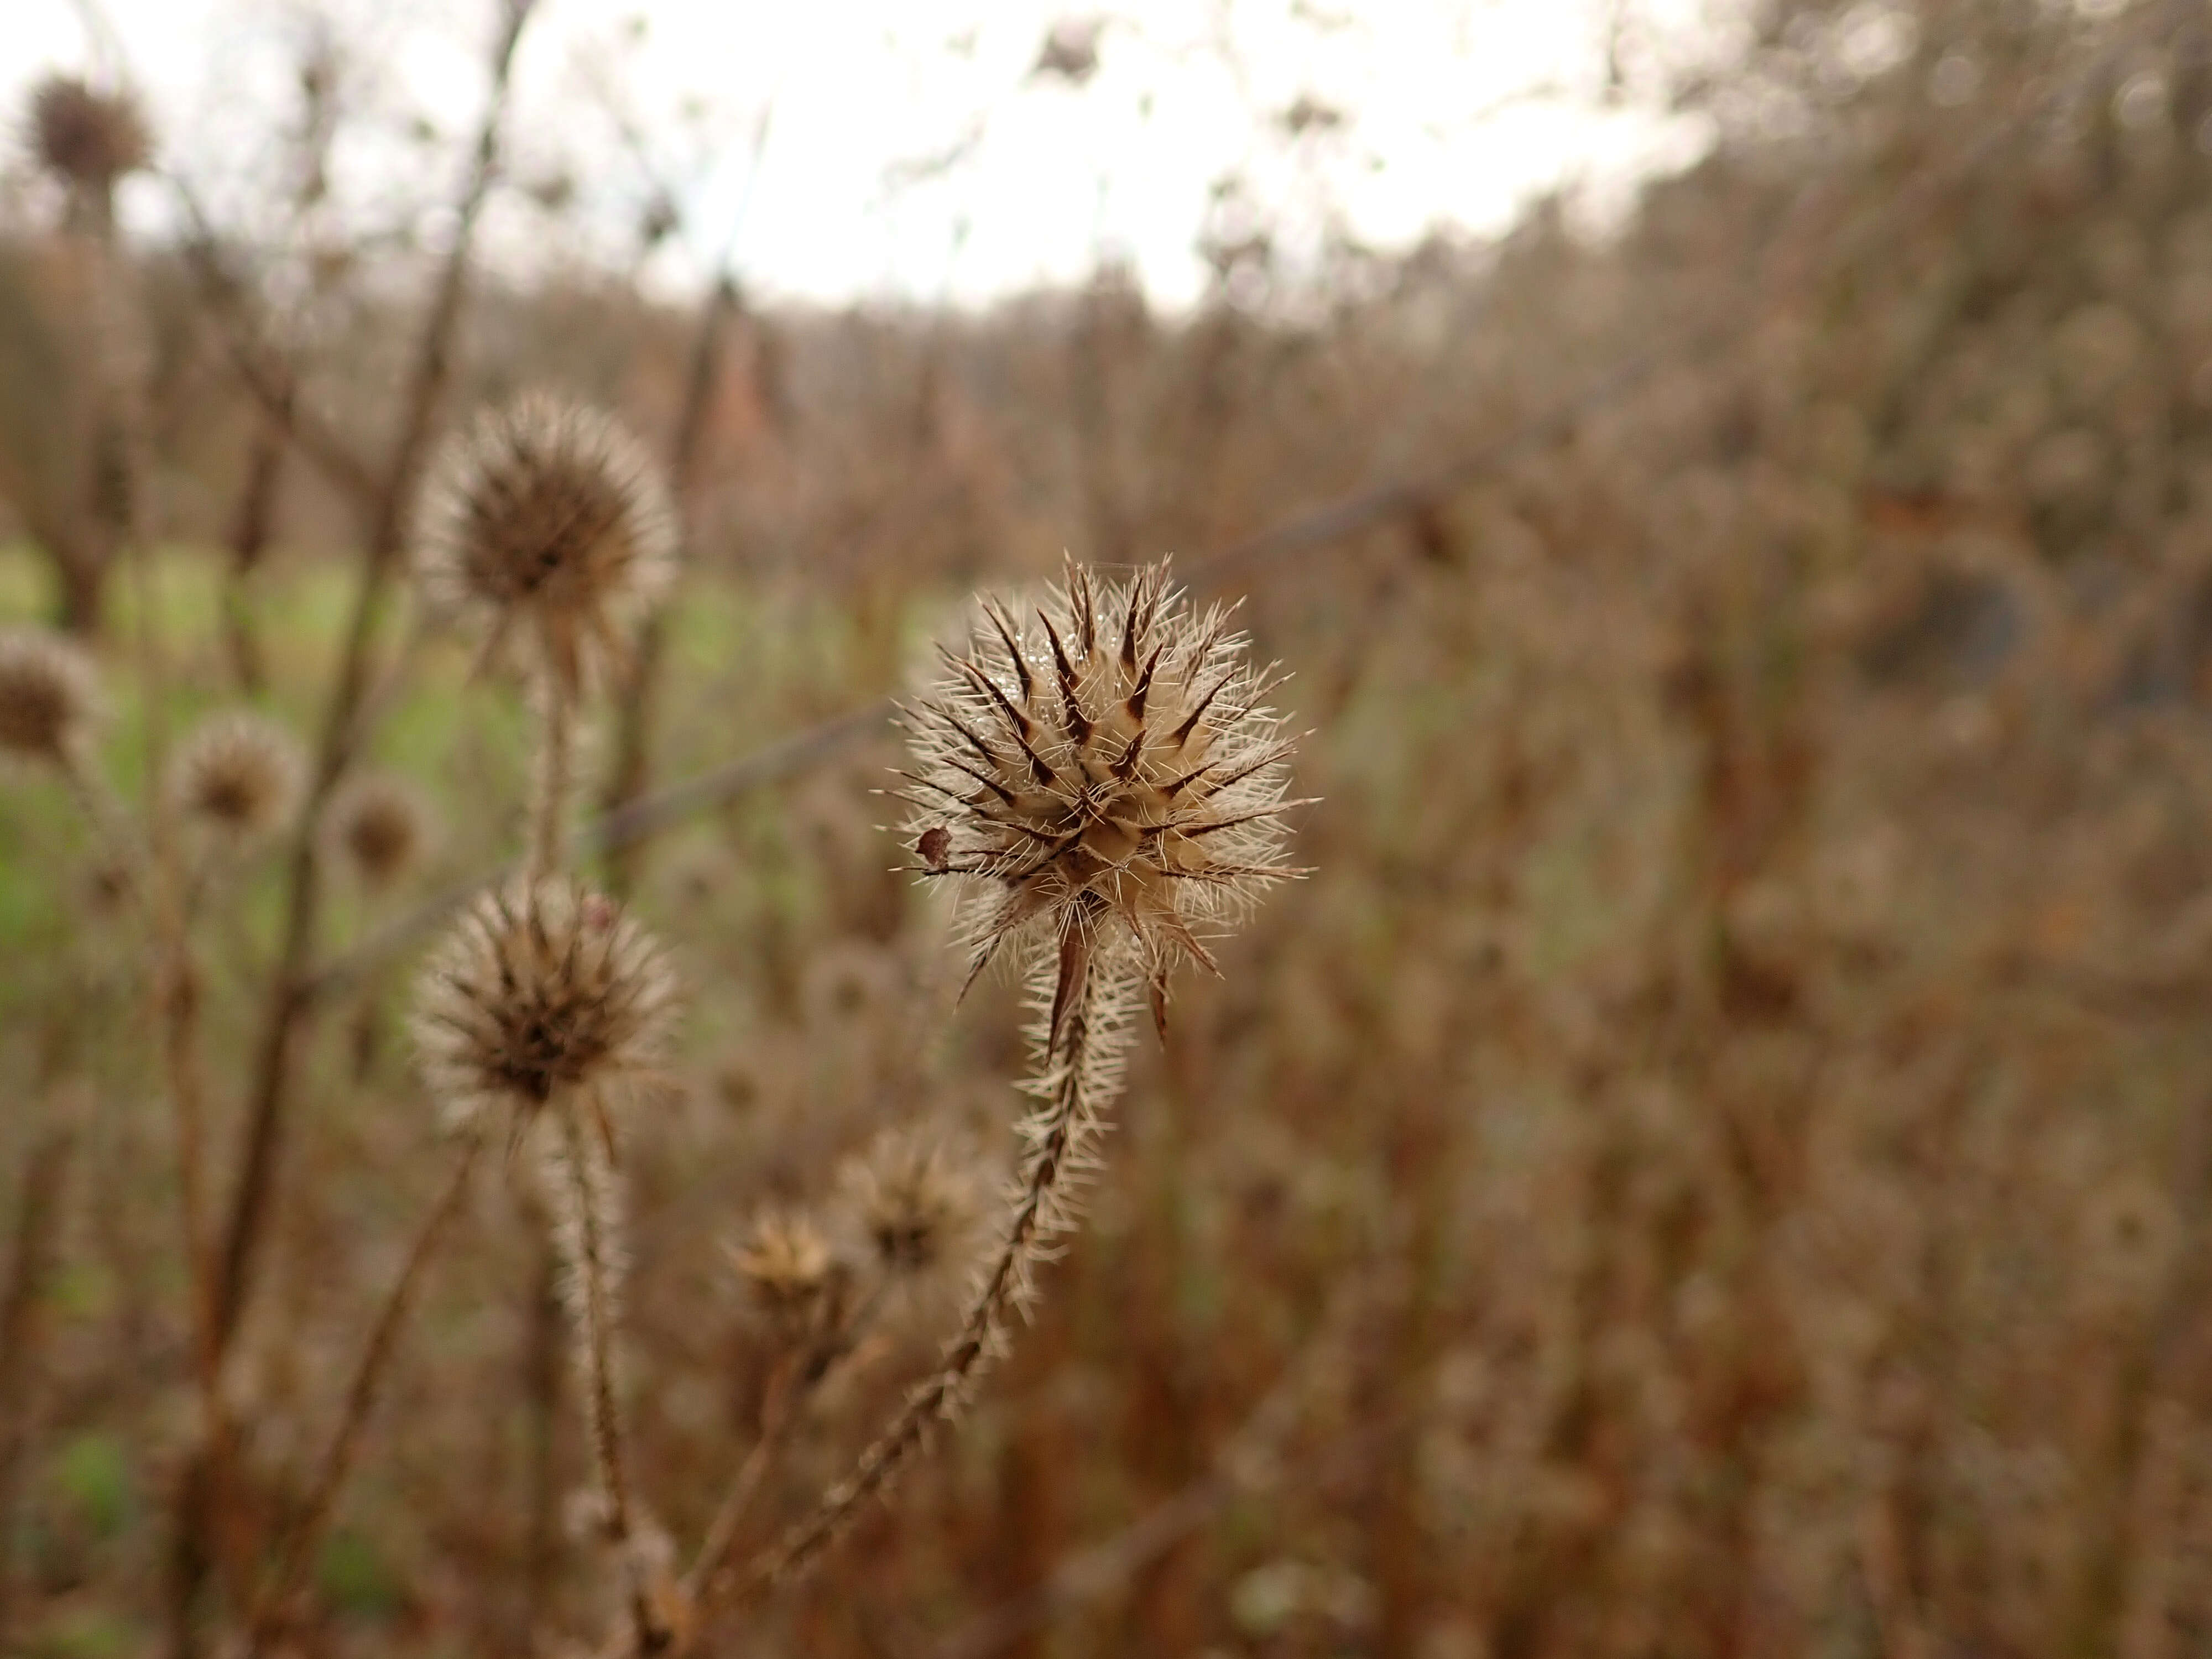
1716,1158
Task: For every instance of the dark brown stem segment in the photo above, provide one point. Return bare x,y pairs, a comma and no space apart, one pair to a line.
315,1520
795,1379
550,789
1074,1063
38,1220
632,758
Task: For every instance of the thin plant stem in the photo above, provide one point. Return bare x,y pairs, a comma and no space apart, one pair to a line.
552,786
795,1382
306,1533
1076,1061
587,1233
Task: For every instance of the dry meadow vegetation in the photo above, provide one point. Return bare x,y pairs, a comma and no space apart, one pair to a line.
1710,1155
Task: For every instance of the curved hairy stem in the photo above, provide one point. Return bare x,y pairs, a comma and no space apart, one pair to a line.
345,1443
1085,998
582,1190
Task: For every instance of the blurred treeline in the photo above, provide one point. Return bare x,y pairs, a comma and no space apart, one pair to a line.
1748,1012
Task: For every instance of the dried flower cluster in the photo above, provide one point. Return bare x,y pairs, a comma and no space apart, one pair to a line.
543,988
1102,772
787,1265
380,826
547,525
238,775
48,696
86,136
916,1204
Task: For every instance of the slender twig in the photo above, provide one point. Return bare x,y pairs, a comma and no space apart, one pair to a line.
306,1532
795,1380
551,786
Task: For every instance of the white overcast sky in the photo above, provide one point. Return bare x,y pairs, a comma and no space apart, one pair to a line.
1459,111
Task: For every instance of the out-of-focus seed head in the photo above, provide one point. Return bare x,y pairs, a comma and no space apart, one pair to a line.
539,989
547,525
380,826
88,137
238,775
915,1203
788,1266
49,695
1100,773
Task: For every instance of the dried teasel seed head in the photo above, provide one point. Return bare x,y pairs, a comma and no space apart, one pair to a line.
540,988
88,137
1100,773
547,525
788,1268
239,774
380,826
49,695
915,1203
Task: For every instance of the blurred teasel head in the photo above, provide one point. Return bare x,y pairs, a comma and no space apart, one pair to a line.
379,826
547,524
544,989
914,1202
1101,779
49,697
238,775
85,137
787,1265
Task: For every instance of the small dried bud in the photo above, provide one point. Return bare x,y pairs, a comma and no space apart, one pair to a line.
541,989
237,774
548,521
380,824
49,695
914,1203
1101,776
787,1265
86,136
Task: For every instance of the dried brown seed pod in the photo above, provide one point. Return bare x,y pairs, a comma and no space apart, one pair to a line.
239,774
380,826
916,1204
539,989
788,1267
48,696
1101,773
547,525
88,137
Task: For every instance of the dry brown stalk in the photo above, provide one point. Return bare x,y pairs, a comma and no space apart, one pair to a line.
581,1186
306,1533
23,1331
632,743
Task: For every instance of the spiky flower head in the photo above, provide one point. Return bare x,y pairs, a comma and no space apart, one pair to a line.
787,1264
547,525
1100,774
238,775
88,137
540,990
914,1202
48,696
380,825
